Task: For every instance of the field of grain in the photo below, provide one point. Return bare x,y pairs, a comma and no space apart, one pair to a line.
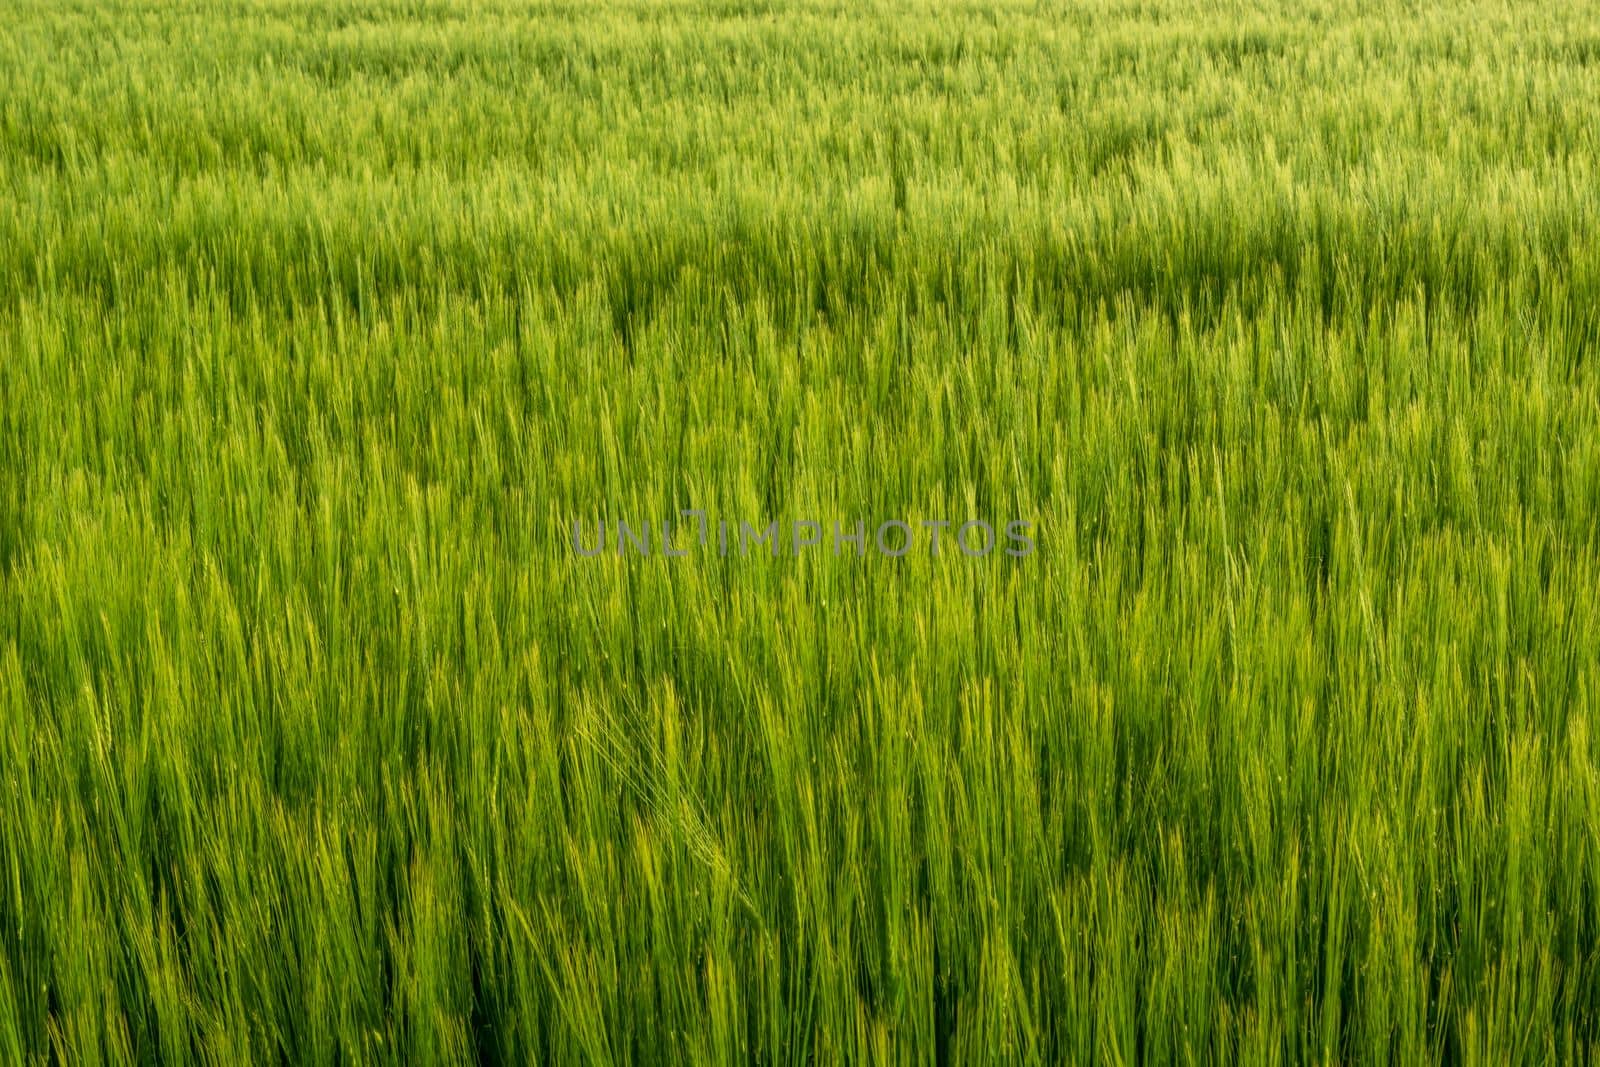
322,322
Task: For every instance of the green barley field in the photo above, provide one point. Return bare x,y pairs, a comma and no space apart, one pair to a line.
322,739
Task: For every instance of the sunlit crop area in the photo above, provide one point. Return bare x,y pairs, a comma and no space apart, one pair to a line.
323,321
